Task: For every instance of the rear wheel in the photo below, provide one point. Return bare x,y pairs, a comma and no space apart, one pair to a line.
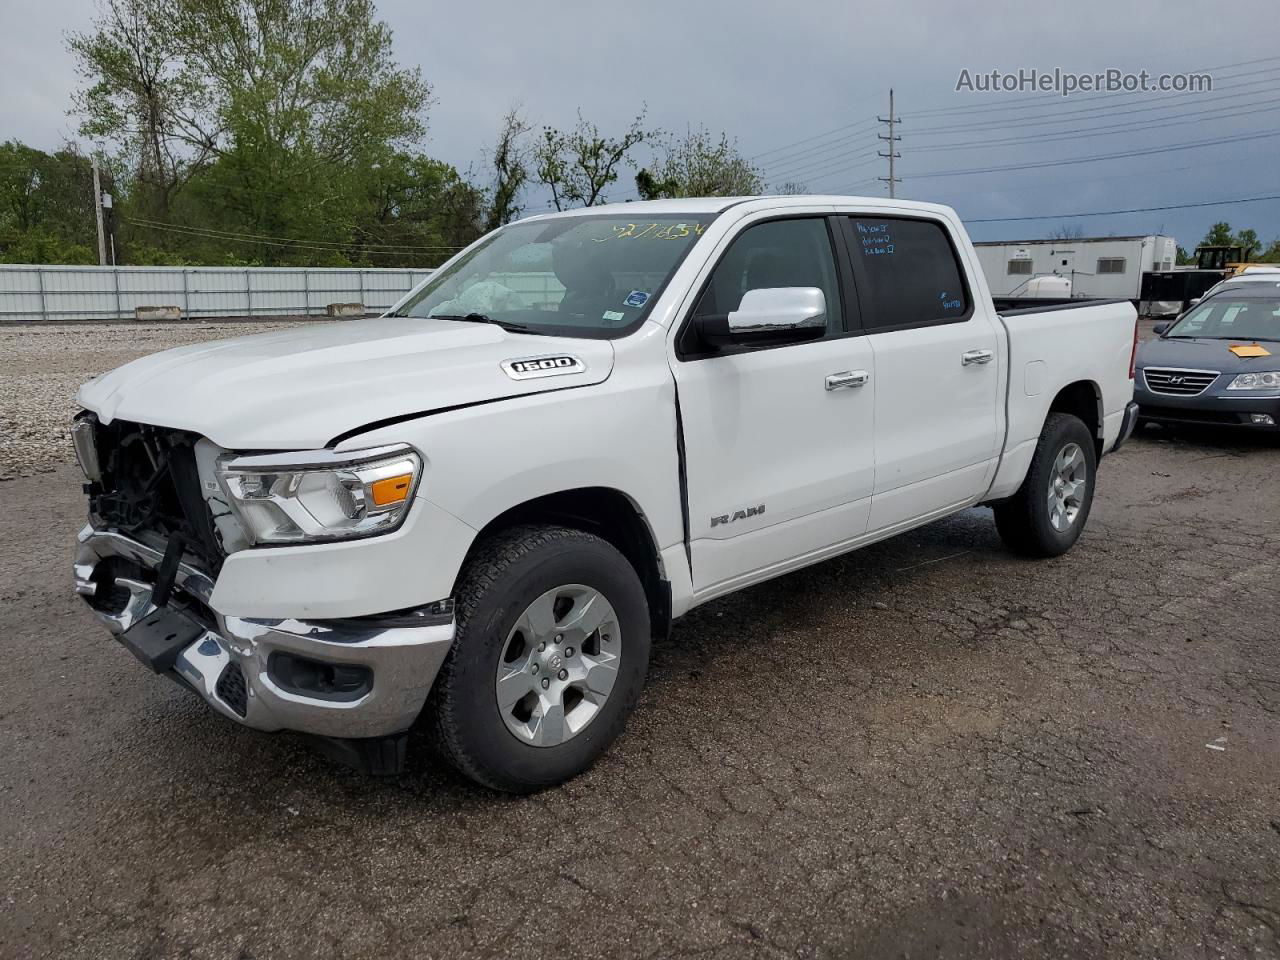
551,652
1047,514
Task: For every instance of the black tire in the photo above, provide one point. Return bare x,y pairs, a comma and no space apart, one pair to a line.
1023,520
504,575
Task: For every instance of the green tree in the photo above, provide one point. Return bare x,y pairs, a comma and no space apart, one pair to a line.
1219,235
578,165
142,92
46,206
1248,239
418,210
700,165
263,117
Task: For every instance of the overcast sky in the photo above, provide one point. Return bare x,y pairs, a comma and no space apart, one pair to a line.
773,74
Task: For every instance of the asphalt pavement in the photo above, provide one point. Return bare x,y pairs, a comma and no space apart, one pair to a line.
926,748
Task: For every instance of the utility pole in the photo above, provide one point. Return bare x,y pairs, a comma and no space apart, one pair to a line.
892,139
97,209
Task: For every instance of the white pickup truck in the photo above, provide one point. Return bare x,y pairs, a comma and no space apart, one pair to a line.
481,507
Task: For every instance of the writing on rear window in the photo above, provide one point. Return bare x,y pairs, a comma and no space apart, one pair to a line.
877,240
907,273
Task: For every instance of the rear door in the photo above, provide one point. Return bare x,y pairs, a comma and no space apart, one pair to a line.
937,370
777,440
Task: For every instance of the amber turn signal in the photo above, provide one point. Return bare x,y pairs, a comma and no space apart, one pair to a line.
390,490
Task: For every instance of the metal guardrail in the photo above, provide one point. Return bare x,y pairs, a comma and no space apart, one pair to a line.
40,292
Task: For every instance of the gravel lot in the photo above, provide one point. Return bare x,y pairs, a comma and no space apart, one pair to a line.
42,366
926,748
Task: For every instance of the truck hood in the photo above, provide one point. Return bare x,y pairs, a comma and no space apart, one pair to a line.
302,387
1203,354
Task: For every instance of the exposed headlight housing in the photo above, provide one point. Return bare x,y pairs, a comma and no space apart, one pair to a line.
321,495
1269,380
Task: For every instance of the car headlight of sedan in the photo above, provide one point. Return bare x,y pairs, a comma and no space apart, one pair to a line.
1256,381
321,495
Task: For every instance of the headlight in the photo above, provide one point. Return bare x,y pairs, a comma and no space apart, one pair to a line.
1256,381
321,495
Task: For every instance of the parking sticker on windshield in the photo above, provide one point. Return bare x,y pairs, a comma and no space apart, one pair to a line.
613,316
636,298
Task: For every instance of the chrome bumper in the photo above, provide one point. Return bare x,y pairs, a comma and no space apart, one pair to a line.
403,660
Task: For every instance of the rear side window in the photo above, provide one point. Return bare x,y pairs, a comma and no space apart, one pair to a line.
907,273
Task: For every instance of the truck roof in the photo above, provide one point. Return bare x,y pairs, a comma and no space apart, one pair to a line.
703,205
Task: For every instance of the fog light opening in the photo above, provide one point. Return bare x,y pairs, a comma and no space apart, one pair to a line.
1263,419
340,682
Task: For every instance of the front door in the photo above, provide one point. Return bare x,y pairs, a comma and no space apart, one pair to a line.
777,440
937,369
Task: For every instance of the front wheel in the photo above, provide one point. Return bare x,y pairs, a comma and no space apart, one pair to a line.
551,651
1047,514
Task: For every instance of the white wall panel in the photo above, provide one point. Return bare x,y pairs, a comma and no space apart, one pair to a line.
37,292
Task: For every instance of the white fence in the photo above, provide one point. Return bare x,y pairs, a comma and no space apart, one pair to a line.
32,293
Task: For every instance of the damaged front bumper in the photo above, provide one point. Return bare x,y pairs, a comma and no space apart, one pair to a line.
350,679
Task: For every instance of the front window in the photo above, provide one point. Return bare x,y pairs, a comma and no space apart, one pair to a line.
1231,318
582,276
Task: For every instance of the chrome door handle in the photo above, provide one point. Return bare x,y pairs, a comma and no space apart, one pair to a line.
847,379
976,356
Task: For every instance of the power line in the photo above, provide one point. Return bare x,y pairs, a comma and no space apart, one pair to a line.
213,234
1106,156
324,246
805,157
1145,173
828,163
817,136
1040,120
1109,213
1108,130
1054,97
1147,105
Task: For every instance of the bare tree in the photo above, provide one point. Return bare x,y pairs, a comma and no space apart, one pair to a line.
793,188
578,165
510,161
1067,232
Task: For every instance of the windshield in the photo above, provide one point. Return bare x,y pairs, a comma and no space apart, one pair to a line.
587,276
1230,317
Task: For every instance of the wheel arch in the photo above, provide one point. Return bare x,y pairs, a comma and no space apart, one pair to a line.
1082,399
608,513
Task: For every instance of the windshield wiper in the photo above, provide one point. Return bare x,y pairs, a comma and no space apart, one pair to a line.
1236,339
481,318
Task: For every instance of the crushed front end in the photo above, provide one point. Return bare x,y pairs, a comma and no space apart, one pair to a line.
147,565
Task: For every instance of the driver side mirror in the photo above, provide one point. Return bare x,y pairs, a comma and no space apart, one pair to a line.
774,315
1160,328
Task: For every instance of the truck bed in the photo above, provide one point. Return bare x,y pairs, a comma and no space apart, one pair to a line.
1014,306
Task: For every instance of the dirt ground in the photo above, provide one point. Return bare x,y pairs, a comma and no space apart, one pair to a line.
929,748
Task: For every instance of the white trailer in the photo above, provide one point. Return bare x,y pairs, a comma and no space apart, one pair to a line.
1096,266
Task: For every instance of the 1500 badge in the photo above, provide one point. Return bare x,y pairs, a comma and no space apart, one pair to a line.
555,365
737,515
